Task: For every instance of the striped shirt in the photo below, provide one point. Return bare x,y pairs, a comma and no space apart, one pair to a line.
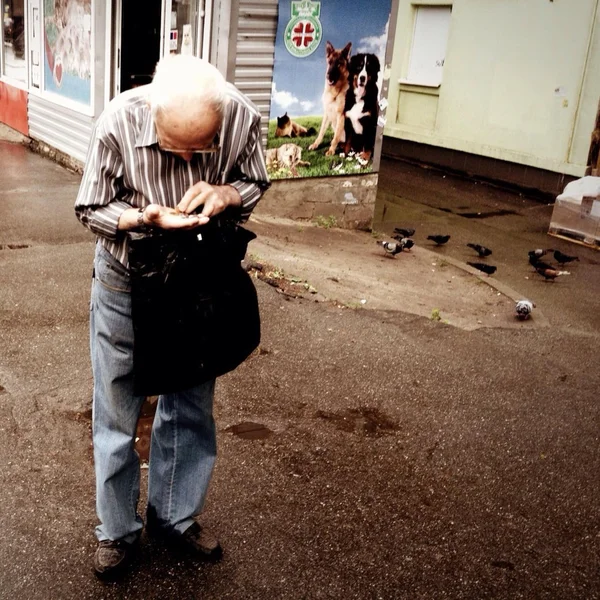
125,168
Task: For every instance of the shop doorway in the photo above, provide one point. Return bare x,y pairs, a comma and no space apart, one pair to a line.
145,30
137,27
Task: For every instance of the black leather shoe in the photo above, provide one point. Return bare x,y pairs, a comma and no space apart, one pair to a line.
112,558
200,542
196,541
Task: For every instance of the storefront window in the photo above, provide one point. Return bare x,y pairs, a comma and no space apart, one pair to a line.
184,26
13,23
68,49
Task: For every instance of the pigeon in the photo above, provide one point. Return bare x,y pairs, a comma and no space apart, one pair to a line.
406,243
533,259
481,250
538,252
439,239
392,248
537,263
523,309
399,237
563,258
550,273
489,269
404,232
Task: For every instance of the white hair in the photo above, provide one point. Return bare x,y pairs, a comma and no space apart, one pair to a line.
186,80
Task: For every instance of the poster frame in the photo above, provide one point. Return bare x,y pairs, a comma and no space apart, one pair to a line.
80,107
384,55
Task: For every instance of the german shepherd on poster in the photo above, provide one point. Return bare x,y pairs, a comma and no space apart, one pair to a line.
334,96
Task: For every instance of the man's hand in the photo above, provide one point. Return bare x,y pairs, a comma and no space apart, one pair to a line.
160,216
169,218
213,198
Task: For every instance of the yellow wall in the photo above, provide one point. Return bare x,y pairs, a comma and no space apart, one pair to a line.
521,82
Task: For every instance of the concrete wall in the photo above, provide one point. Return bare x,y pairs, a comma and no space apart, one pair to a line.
347,202
590,95
520,82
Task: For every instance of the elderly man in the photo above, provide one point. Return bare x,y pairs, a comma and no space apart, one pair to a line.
169,155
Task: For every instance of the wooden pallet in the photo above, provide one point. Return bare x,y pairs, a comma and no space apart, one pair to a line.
575,239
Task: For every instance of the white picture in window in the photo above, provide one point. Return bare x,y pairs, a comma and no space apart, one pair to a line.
186,40
428,50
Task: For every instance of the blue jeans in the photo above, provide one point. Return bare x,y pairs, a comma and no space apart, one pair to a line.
183,448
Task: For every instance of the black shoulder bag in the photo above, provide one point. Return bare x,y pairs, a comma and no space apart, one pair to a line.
194,308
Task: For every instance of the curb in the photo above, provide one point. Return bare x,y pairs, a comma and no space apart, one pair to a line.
12,136
276,245
504,289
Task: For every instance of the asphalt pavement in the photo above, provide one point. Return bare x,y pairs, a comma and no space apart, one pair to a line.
398,456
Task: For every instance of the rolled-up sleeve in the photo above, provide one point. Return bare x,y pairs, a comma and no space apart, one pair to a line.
100,201
249,176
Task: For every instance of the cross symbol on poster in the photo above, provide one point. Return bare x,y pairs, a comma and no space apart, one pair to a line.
303,34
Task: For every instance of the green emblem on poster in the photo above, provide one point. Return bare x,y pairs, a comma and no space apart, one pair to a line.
303,33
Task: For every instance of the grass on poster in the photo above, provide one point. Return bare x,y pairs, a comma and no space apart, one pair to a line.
320,165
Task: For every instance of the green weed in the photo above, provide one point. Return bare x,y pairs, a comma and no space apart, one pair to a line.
353,304
325,222
276,274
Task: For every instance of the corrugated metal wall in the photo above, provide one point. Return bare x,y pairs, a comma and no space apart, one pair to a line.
61,128
255,49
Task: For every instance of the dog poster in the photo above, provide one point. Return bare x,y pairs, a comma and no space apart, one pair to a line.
326,91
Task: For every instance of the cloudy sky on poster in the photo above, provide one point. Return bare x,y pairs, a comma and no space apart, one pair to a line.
298,82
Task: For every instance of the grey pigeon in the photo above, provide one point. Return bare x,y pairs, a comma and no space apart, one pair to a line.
523,309
391,248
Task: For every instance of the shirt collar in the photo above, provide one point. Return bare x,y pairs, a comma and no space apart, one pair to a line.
147,134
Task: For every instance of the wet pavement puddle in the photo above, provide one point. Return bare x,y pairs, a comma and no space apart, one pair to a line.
503,564
143,435
371,421
485,215
503,212
250,431
14,246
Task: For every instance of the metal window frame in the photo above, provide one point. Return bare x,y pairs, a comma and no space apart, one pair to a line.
23,85
203,28
95,99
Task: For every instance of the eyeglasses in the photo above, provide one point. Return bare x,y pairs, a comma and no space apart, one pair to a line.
209,150
215,146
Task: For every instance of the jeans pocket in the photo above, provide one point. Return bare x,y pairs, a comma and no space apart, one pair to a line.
110,272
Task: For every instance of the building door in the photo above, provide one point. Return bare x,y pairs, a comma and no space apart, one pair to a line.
146,30
137,28
187,27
